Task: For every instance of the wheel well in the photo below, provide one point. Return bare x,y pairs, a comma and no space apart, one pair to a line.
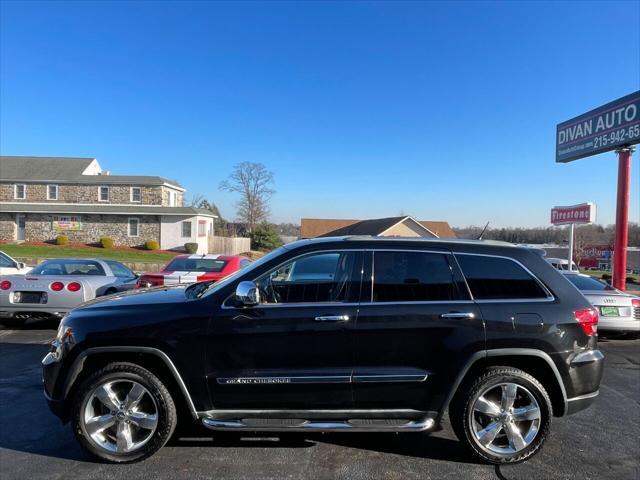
535,366
149,361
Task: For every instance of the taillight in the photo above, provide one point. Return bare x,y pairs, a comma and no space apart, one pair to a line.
5,285
74,287
635,302
56,286
588,320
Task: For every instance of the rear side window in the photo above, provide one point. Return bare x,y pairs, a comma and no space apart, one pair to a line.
412,277
493,278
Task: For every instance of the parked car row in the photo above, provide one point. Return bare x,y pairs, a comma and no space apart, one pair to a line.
56,286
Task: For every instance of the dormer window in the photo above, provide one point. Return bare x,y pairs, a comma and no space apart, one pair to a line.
52,192
103,194
136,194
20,191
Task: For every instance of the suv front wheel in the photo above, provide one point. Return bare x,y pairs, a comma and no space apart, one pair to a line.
503,416
123,413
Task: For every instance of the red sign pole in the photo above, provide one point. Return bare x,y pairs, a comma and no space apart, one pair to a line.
622,219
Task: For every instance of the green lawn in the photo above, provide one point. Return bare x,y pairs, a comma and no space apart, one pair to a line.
55,251
599,273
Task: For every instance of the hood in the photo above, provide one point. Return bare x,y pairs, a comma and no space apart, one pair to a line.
150,296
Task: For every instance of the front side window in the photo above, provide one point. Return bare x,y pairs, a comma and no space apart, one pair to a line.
186,229
496,278
316,278
69,267
103,194
134,227
20,191
136,194
412,277
119,270
52,192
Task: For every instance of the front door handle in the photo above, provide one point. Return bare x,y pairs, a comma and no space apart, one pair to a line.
467,315
332,318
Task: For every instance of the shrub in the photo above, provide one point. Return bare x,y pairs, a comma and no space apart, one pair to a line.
106,242
265,237
153,245
62,240
631,280
191,247
606,276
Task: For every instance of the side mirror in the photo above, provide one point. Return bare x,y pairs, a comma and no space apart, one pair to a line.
21,265
247,294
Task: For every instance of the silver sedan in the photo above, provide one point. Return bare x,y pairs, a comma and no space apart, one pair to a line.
56,286
618,311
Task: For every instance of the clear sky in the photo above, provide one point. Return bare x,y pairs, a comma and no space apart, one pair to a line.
361,109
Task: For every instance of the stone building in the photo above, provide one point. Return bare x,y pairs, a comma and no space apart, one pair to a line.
43,197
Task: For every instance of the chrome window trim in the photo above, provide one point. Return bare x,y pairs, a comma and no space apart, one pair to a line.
548,298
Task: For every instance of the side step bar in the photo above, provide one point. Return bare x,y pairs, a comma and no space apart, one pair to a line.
299,425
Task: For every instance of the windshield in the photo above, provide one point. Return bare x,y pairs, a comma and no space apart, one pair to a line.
588,283
196,265
214,287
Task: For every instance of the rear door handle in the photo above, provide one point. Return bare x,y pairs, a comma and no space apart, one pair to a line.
332,318
467,315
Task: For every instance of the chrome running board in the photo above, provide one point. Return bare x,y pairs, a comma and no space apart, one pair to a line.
300,425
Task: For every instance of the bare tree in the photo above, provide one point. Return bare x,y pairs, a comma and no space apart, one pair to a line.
253,182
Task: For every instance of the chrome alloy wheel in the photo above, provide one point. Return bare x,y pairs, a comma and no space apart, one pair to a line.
505,418
120,416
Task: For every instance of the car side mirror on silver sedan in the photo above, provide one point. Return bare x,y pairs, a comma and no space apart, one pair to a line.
247,294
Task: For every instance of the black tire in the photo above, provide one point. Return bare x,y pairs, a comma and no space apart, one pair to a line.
166,411
461,412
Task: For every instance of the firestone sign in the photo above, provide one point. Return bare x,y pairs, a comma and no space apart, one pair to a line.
583,213
614,125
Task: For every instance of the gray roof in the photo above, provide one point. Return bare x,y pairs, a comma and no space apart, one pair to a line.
70,208
67,170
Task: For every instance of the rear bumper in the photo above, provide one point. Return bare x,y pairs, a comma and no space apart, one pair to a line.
618,324
582,402
585,374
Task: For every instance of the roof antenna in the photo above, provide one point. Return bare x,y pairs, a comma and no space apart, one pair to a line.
482,232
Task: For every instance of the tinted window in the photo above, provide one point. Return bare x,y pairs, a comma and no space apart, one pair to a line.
68,267
498,278
196,265
119,270
588,283
412,277
322,277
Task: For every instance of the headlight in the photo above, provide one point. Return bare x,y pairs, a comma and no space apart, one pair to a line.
64,336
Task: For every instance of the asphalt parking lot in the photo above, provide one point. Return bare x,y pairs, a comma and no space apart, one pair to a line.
601,442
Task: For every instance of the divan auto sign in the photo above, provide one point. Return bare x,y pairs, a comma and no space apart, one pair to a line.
613,125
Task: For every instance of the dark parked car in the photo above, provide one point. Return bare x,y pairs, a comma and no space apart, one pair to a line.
339,334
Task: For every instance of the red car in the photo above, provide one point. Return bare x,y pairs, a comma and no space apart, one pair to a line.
193,268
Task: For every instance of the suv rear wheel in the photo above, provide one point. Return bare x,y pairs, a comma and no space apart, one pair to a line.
503,416
123,413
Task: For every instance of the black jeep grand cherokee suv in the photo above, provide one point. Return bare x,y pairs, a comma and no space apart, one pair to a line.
338,334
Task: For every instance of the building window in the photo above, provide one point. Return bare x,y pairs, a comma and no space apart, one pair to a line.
136,194
186,229
134,227
52,192
103,194
20,192
172,199
202,228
